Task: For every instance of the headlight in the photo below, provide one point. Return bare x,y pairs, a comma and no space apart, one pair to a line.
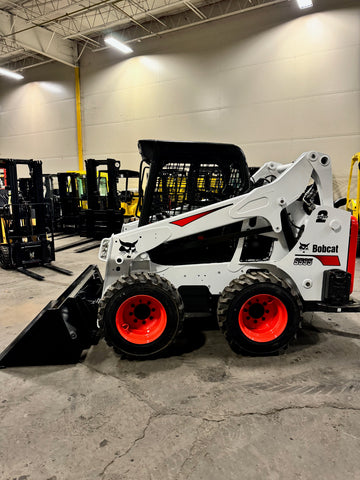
104,247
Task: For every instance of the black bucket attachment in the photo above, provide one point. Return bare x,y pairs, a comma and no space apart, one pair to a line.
63,329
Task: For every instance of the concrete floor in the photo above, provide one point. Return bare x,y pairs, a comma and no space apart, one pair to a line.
200,413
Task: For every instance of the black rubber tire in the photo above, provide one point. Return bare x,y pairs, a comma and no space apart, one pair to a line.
234,297
135,284
5,258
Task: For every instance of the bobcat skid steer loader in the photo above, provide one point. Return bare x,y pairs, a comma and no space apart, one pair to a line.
258,259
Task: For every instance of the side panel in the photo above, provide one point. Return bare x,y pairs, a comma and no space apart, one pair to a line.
323,246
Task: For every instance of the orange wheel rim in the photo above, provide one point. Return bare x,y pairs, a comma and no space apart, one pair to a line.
263,318
141,319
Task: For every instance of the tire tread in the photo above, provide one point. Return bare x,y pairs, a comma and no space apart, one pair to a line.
238,284
143,278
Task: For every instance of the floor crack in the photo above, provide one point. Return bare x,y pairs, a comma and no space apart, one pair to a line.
210,420
137,439
274,411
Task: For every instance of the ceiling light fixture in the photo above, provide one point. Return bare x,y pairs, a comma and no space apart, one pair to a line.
11,74
304,3
113,42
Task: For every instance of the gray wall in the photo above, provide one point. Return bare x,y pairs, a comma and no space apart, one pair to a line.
273,81
38,117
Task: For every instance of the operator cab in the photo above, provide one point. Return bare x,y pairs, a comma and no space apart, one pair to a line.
183,176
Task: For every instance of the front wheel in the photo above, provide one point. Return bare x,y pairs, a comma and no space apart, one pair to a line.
259,314
141,314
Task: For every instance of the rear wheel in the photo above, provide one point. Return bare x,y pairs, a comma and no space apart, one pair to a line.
259,314
141,314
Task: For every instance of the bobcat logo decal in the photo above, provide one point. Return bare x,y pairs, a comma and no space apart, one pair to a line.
128,248
304,246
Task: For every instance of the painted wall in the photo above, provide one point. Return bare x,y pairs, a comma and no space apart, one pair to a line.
273,81
38,117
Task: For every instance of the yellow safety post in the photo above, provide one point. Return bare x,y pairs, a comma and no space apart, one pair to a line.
78,118
351,203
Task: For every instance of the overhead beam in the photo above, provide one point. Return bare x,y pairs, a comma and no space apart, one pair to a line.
37,39
172,12
185,19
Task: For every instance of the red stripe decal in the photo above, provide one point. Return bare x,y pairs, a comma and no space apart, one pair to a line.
354,228
185,221
329,260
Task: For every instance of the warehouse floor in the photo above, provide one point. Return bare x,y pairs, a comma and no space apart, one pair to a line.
200,413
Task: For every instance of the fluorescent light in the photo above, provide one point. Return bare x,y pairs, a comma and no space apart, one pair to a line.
110,40
304,3
9,73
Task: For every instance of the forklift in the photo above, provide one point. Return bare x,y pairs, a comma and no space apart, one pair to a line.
72,191
104,214
52,196
26,234
91,204
129,198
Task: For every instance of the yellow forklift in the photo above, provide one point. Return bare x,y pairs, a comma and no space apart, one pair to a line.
129,196
108,207
26,233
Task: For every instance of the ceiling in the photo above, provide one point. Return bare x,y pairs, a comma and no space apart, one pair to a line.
34,32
